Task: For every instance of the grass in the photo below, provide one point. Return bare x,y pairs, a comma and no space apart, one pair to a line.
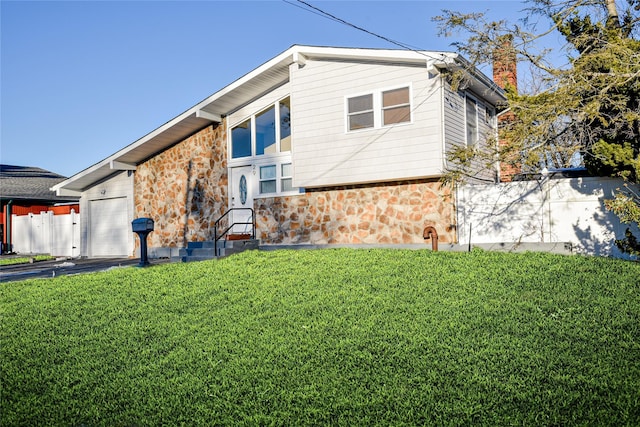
25,260
328,337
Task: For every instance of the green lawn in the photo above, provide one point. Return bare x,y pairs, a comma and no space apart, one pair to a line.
327,337
24,260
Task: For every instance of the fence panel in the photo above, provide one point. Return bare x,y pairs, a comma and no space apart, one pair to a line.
545,211
46,233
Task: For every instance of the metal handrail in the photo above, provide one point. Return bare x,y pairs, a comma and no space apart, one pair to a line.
215,226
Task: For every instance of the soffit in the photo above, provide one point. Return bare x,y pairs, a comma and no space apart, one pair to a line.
221,103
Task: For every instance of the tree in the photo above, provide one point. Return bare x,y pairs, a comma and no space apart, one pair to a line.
586,113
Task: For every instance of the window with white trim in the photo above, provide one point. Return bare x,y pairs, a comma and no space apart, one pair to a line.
396,107
276,178
286,178
264,133
379,108
472,121
241,137
268,179
360,112
490,116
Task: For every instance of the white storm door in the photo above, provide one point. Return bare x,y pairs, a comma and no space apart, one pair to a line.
109,227
241,197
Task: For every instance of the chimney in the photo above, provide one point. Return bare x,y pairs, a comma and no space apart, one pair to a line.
505,65
505,75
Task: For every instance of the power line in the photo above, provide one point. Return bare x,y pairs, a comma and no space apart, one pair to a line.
317,11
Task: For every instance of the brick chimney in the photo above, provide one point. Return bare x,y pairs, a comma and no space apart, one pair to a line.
505,65
505,75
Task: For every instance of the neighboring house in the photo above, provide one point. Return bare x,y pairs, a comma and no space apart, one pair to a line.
26,190
327,145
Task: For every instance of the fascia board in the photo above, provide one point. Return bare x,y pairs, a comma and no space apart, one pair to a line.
455,62
285,58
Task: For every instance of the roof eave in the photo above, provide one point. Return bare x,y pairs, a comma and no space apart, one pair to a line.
213,108
479,82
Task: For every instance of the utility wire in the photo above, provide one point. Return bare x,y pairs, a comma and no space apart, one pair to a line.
317,11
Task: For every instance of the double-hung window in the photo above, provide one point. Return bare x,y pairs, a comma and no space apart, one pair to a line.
286,178
360,114
379,108
268,179
396,107
274,179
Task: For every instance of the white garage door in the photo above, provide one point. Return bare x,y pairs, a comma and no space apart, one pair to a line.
109,227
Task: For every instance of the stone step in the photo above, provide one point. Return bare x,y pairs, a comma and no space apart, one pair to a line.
200,251
205,244
236,246
193,258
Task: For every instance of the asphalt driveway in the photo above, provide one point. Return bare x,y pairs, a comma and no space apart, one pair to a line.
48,269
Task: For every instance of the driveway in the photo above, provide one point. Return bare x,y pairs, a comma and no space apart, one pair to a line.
48,269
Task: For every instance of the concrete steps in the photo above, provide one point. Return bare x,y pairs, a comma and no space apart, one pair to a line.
201,251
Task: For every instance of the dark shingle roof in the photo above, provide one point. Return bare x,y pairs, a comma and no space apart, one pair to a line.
30,183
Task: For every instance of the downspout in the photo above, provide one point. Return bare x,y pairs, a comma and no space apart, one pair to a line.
454,220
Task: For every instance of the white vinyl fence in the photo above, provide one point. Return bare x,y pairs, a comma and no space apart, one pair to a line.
46,233
547,210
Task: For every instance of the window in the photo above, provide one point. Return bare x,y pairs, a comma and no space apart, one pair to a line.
395,106
472,121
380,108
268,179
286,180
490,116
285,125
267,132
360,112
241,140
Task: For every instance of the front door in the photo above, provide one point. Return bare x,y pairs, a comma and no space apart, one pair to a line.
241,197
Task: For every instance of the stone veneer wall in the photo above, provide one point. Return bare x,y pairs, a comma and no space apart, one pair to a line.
385,213
184,189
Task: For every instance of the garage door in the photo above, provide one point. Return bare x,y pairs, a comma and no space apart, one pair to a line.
109,228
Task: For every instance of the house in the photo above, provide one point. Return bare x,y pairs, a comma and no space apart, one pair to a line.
326,145
26,190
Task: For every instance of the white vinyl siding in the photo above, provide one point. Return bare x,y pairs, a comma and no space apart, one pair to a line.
325,154
454,121
456,129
